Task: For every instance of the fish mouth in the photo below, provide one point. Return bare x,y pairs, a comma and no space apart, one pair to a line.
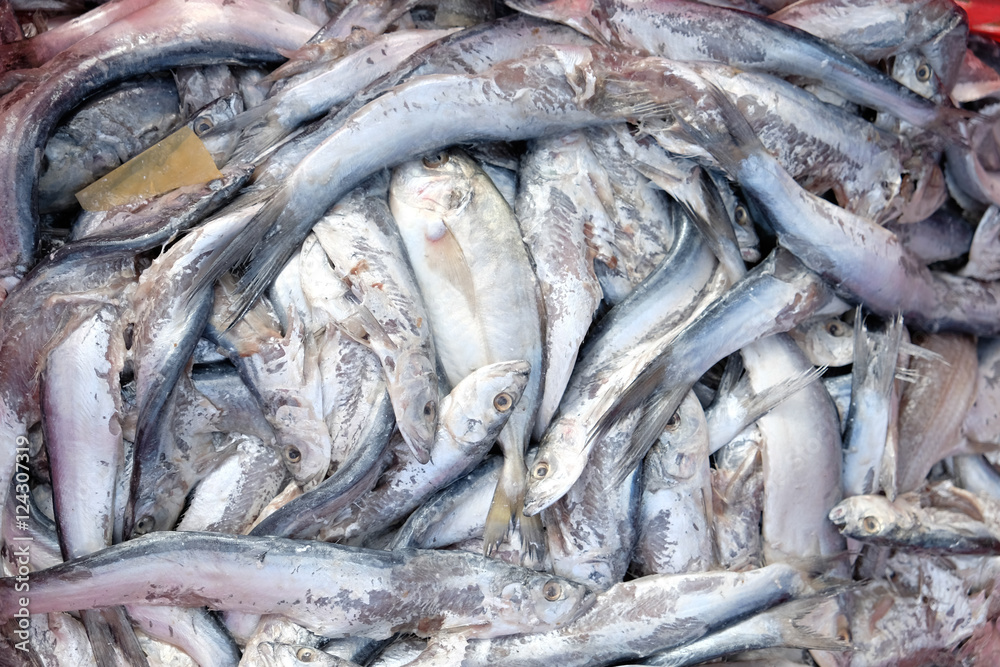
838,516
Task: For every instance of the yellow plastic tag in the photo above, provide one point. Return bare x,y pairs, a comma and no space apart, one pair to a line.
180,159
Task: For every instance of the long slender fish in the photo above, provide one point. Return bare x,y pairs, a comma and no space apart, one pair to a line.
688,30
330,589
174,34
524,98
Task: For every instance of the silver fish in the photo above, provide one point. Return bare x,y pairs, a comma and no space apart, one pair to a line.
675,518
471,417
210,28
938,518
646,615
295,579
368,254
466,251
557,201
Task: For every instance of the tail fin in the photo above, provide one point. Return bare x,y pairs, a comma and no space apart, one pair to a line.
109,629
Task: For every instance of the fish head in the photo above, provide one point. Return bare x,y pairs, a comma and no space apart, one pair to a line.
211,125
541,602
439,185
417,405
154,511
304,449
746,234
277,654
585,16
869,517
479,405
550,476
915,72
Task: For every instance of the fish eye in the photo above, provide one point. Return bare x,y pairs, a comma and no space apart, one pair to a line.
436,160
871,524
202,125
552,590
924,73
305,654
540,470
741,216
292,455
675,421
144,525
502,402
836,328
430,409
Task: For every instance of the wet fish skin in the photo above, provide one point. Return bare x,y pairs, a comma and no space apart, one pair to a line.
170,314
645,615
471,418
304,516
215,31
547,107
864,260
675,517
687,279
688,30
556,202
788,624
939,518
467,254
193,630
869,416
732,322
874,31
331,85
296,580
102,134
364,245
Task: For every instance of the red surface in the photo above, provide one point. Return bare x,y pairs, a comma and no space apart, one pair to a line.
984,16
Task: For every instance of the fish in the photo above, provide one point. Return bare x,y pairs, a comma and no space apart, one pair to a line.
938,518
274,576
367,252
465,247
203,33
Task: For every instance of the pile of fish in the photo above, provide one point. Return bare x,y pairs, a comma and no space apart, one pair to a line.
566,332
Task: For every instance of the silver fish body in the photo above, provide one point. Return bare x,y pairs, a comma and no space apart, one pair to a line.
359,596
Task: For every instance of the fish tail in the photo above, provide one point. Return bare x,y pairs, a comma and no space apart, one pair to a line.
109,629
532,540
730,142
498,520
508,500
811,623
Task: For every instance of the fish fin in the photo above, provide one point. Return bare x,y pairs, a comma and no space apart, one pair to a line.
121,628
107,631
656,415
732,373
768,399
876,354
101,640
273,222
453,266
257,141
730,145
498,520
807,624
532,540
508,500
718,228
